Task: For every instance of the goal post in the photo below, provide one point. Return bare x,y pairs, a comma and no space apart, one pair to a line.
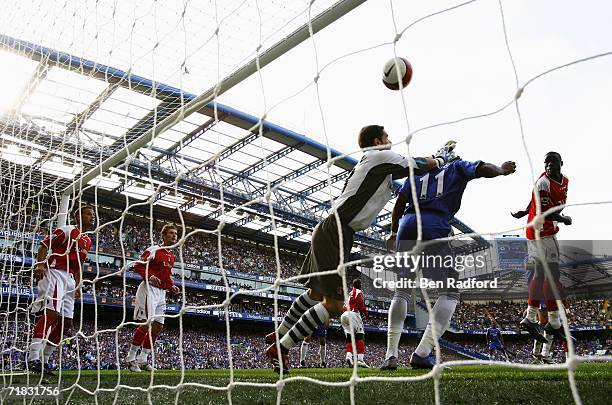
275,51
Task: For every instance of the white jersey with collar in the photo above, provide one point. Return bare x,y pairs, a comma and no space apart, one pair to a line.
370,186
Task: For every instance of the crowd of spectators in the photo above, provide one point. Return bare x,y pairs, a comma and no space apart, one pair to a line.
476,316
238,304
206,347
521,350
201,348
470,316
134,236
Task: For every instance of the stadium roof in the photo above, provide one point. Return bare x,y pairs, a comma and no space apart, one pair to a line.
72,113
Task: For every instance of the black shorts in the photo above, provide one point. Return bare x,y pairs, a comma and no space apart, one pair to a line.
324,255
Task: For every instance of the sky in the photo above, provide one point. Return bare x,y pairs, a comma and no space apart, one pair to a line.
461,69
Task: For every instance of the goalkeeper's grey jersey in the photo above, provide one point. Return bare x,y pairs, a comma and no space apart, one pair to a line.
370,186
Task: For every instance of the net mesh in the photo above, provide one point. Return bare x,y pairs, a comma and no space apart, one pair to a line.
93,79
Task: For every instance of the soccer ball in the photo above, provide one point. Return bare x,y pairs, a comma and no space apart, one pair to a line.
390,73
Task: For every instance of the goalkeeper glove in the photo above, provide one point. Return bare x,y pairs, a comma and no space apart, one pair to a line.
447,152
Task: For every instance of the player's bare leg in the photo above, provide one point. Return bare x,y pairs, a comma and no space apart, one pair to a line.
302,304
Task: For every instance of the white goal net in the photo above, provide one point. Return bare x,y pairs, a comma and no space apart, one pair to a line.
236,122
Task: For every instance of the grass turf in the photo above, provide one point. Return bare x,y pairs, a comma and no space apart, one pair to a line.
459,385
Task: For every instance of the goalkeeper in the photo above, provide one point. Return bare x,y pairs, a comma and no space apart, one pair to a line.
366,191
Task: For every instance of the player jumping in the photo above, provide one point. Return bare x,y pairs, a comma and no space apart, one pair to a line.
58,286
155,267
352,324
365,193
552,188
439,193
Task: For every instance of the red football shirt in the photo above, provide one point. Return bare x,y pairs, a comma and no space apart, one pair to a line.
160,265
356,302
68,247
552,193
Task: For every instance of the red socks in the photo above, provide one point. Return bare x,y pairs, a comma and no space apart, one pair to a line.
42,325
360,346
139,336
148,343
535,293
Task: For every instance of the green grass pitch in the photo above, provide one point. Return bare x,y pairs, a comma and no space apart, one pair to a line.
459,385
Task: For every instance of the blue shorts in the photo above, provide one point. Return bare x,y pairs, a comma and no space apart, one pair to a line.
438,267
433,227
495,346
320,332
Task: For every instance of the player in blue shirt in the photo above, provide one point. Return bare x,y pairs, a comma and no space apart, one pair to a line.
495,341
439,194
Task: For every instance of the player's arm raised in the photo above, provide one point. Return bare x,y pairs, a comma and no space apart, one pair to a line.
489,170
398,166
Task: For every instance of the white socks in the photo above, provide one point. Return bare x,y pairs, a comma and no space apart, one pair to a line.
532,314
323,354
132,353
443,311
537,348
144,355
548,345
554,319
303,351
35,349
48,351
397,316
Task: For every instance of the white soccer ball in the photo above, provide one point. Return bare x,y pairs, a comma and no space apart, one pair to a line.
391,74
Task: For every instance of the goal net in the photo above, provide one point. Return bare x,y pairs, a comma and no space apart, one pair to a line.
235,121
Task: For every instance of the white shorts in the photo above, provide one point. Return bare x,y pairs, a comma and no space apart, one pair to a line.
150,303
56,292
346,319
550,249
